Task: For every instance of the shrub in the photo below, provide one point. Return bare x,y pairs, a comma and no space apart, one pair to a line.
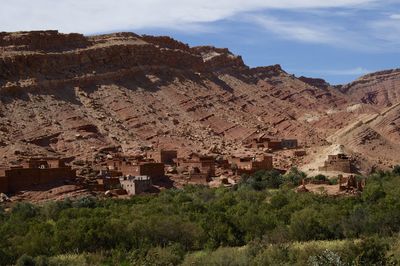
25,260
396,170
320,178
373,252
294,176
306,225
263,179
327,257
222,257
172,255
24,211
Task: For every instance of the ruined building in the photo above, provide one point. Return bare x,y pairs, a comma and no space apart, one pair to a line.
249,164
136,167
34,172
164,156
200,167
351,183
106,183
339,163
272,143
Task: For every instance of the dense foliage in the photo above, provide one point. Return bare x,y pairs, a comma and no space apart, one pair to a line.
262,221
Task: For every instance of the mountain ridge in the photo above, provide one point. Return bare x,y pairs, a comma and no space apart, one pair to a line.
75,95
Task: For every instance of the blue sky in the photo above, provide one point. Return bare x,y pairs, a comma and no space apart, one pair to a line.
336,40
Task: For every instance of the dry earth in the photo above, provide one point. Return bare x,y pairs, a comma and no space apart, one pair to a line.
82,97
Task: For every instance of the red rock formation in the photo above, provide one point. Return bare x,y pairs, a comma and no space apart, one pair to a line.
73,95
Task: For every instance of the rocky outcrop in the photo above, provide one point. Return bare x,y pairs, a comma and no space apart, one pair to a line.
319,83
119,52
166,42
219,59
45,41
380,88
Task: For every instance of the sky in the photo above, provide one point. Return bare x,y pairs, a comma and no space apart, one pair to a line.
338,40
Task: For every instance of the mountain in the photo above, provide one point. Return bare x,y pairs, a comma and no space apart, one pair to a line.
81,96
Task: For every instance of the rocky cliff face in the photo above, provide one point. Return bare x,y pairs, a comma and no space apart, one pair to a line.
380,88
78,96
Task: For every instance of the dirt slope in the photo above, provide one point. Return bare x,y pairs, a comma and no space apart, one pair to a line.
73,95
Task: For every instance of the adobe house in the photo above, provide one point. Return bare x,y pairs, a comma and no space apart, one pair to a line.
134,167
164,156
199,178
33,172
339,163
135,184
44,162
269,142
265,141
249,165
198,164
107,183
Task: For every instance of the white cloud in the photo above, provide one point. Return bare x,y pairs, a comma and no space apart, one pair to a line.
347,72
315,30
395,16
387,31
357,71
295,30
91,16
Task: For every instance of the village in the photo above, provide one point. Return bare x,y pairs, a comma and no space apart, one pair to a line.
120,175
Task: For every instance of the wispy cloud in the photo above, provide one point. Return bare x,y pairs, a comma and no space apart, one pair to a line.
90,16
395,16
334,23
387,31
316,30
294,29
357,71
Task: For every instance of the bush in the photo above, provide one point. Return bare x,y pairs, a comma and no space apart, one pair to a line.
172,255
306,225
41,261
396,170
327,257
333,181
24,211
294,176
177,222
373,191
263,179
320,178
25,260
373,252
222,257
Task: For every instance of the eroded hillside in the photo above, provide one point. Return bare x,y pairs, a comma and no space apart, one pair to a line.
73,95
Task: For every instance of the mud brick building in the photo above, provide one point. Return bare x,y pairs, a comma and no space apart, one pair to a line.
135,167
339,163
272,143
164,156
107,183
265,142
198,164
34,172
135,184
249,165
